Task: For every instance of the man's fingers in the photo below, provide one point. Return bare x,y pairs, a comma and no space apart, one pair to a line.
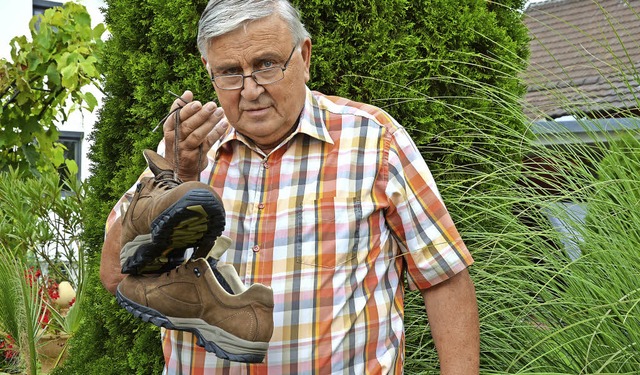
182,102
193,116
218,131
200,126
194,129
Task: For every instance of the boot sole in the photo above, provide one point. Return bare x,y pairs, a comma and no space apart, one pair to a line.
196,220
213,339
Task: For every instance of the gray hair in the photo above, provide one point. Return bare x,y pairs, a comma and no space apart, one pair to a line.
223,16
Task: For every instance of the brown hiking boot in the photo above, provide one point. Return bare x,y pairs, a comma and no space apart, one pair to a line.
234,322
166,217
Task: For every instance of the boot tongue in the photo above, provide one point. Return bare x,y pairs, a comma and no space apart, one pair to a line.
219,247
156,163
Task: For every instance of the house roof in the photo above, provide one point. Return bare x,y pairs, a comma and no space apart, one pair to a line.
585,56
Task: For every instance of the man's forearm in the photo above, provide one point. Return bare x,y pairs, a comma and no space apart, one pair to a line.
110,274
452,310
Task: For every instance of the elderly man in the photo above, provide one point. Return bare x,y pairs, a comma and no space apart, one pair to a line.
328,202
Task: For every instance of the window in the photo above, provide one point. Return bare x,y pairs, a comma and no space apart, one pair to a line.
39,6
73,143
565,217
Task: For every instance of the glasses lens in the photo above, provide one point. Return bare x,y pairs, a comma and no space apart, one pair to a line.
266,76
229,82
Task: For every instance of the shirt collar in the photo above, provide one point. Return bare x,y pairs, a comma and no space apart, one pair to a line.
311,122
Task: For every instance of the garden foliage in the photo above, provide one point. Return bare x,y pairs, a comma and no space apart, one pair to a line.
40,247
41,209
46,73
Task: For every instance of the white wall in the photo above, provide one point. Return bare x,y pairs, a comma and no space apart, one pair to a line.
14,21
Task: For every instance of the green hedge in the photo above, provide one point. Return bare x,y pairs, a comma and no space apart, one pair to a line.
441,67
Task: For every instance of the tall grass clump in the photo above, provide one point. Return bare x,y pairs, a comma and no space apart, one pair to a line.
557,250
553,299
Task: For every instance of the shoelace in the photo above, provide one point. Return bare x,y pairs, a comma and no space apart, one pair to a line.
184,265
167,179
176,158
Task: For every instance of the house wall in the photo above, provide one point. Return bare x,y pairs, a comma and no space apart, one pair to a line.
14,21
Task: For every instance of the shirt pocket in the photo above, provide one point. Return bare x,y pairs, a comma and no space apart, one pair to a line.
328,232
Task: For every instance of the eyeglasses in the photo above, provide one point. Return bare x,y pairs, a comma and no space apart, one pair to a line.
261,77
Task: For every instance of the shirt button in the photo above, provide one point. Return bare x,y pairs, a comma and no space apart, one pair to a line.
261,206
256,248
265,165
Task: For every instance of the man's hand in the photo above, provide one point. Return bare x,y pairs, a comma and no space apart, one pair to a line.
199,127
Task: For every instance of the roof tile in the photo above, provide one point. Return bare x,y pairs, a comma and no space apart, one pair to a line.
585,56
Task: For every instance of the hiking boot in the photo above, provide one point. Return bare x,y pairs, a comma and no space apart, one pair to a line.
235,323
167,216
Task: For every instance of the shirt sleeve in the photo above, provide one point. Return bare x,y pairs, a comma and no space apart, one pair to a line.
434,250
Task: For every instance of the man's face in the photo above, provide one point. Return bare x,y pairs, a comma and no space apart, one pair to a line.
266,114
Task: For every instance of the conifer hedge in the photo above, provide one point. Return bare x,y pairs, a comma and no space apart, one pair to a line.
424,61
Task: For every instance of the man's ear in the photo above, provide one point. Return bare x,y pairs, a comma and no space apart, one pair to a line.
306,57
206,64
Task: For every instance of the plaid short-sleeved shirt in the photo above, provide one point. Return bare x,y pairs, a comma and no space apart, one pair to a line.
331,220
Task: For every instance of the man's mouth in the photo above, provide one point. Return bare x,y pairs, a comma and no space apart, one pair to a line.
256,111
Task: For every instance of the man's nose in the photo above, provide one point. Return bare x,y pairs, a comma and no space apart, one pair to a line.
251,89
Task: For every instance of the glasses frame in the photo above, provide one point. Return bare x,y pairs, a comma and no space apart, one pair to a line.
253,74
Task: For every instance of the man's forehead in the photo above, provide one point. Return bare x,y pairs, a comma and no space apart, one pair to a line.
263,38
222,60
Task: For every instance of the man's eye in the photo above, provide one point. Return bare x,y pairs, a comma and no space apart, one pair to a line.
227,71
267,64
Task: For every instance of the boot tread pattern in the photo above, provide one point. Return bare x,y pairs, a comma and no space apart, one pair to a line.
196,220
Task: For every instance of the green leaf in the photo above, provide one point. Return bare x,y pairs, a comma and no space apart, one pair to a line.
31,126
22,84
43,38
98,31
72,166
91,101
57,19
70,76
57,155
53,75
33,61
88,66
83,19
31,153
